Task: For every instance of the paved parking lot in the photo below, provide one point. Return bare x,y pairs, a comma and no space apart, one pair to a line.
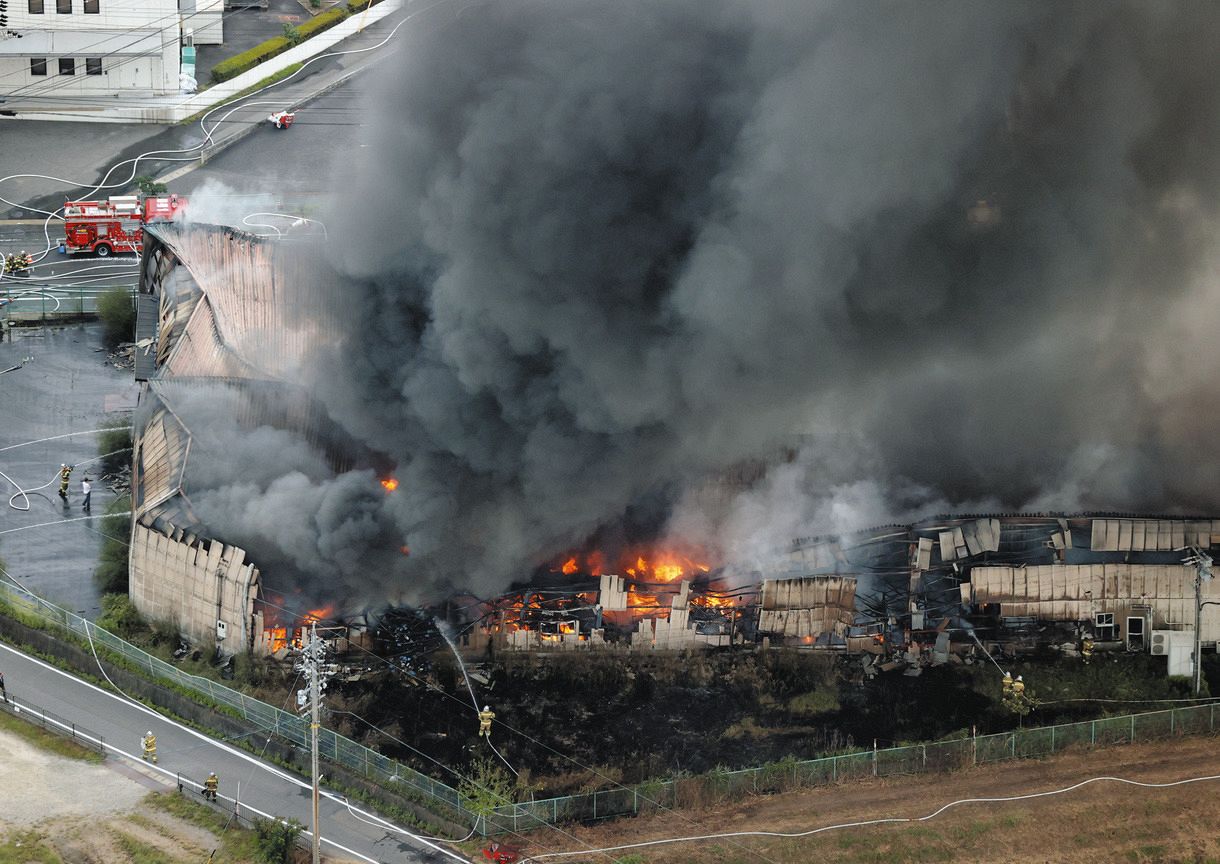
245,28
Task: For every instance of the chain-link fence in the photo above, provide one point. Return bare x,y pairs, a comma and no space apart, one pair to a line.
21,303
661,794
915,759
337,748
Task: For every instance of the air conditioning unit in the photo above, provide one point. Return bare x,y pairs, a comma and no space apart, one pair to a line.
222,629
1160,643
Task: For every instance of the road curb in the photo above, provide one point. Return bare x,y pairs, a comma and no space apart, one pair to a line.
250,129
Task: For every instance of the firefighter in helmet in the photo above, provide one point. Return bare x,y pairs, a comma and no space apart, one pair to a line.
149,743
65,474
1006,683
1018,688
210,786
485,718
1086,649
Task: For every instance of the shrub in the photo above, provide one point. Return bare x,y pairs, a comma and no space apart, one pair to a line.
275,839
323,22
117,309
119,615
114,446
247,60
239,63
111,574
148,186
485,787
360,5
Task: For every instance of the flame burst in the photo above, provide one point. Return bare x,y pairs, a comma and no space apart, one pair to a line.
390,484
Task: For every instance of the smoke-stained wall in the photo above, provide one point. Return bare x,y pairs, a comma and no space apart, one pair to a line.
597,251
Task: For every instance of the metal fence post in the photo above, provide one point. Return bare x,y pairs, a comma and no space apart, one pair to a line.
834,770
874,757
925,756
1172,714
1052,739
1013,745
1093,732
1132,728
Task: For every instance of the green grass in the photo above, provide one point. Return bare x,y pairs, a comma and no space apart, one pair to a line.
236,844
47,740
27,848
139,852
265,82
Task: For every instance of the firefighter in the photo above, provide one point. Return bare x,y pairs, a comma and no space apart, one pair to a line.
1018,689
65,473
149,743
1086,649
1007,684
485,718
210,786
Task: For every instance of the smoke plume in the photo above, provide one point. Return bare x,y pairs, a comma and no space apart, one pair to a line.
599,253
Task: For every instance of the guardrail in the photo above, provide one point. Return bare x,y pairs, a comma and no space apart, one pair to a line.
331,745
244,813
49,720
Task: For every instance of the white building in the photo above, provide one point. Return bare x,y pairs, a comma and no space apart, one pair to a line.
80,52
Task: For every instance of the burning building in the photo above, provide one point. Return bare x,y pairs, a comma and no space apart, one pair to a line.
218,334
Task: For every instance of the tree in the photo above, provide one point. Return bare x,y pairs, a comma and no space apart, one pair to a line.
148,186
275,839
111,574
114,445
118,314
485,787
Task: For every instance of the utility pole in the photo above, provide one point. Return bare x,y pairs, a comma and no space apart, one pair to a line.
1203,573
310,664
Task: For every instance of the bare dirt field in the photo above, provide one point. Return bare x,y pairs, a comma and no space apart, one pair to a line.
1100,821
58,810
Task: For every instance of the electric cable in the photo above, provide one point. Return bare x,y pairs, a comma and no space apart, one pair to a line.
891,820
208,133
562,755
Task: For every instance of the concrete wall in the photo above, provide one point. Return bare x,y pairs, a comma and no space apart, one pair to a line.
194,584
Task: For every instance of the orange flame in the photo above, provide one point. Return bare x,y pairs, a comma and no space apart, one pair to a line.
390,484
569,567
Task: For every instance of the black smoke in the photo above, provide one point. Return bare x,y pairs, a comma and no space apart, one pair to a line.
599,251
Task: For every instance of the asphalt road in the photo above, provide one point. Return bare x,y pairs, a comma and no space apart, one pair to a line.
262,788
61,385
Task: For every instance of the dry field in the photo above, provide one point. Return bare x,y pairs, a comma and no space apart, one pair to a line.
1103,821
59,810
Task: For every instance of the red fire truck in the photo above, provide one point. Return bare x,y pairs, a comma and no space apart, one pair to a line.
115,225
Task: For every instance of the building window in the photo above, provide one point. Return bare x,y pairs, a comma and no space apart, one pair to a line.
67,66
91,7
93,65
1103,626
36,7
38,65
63,7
